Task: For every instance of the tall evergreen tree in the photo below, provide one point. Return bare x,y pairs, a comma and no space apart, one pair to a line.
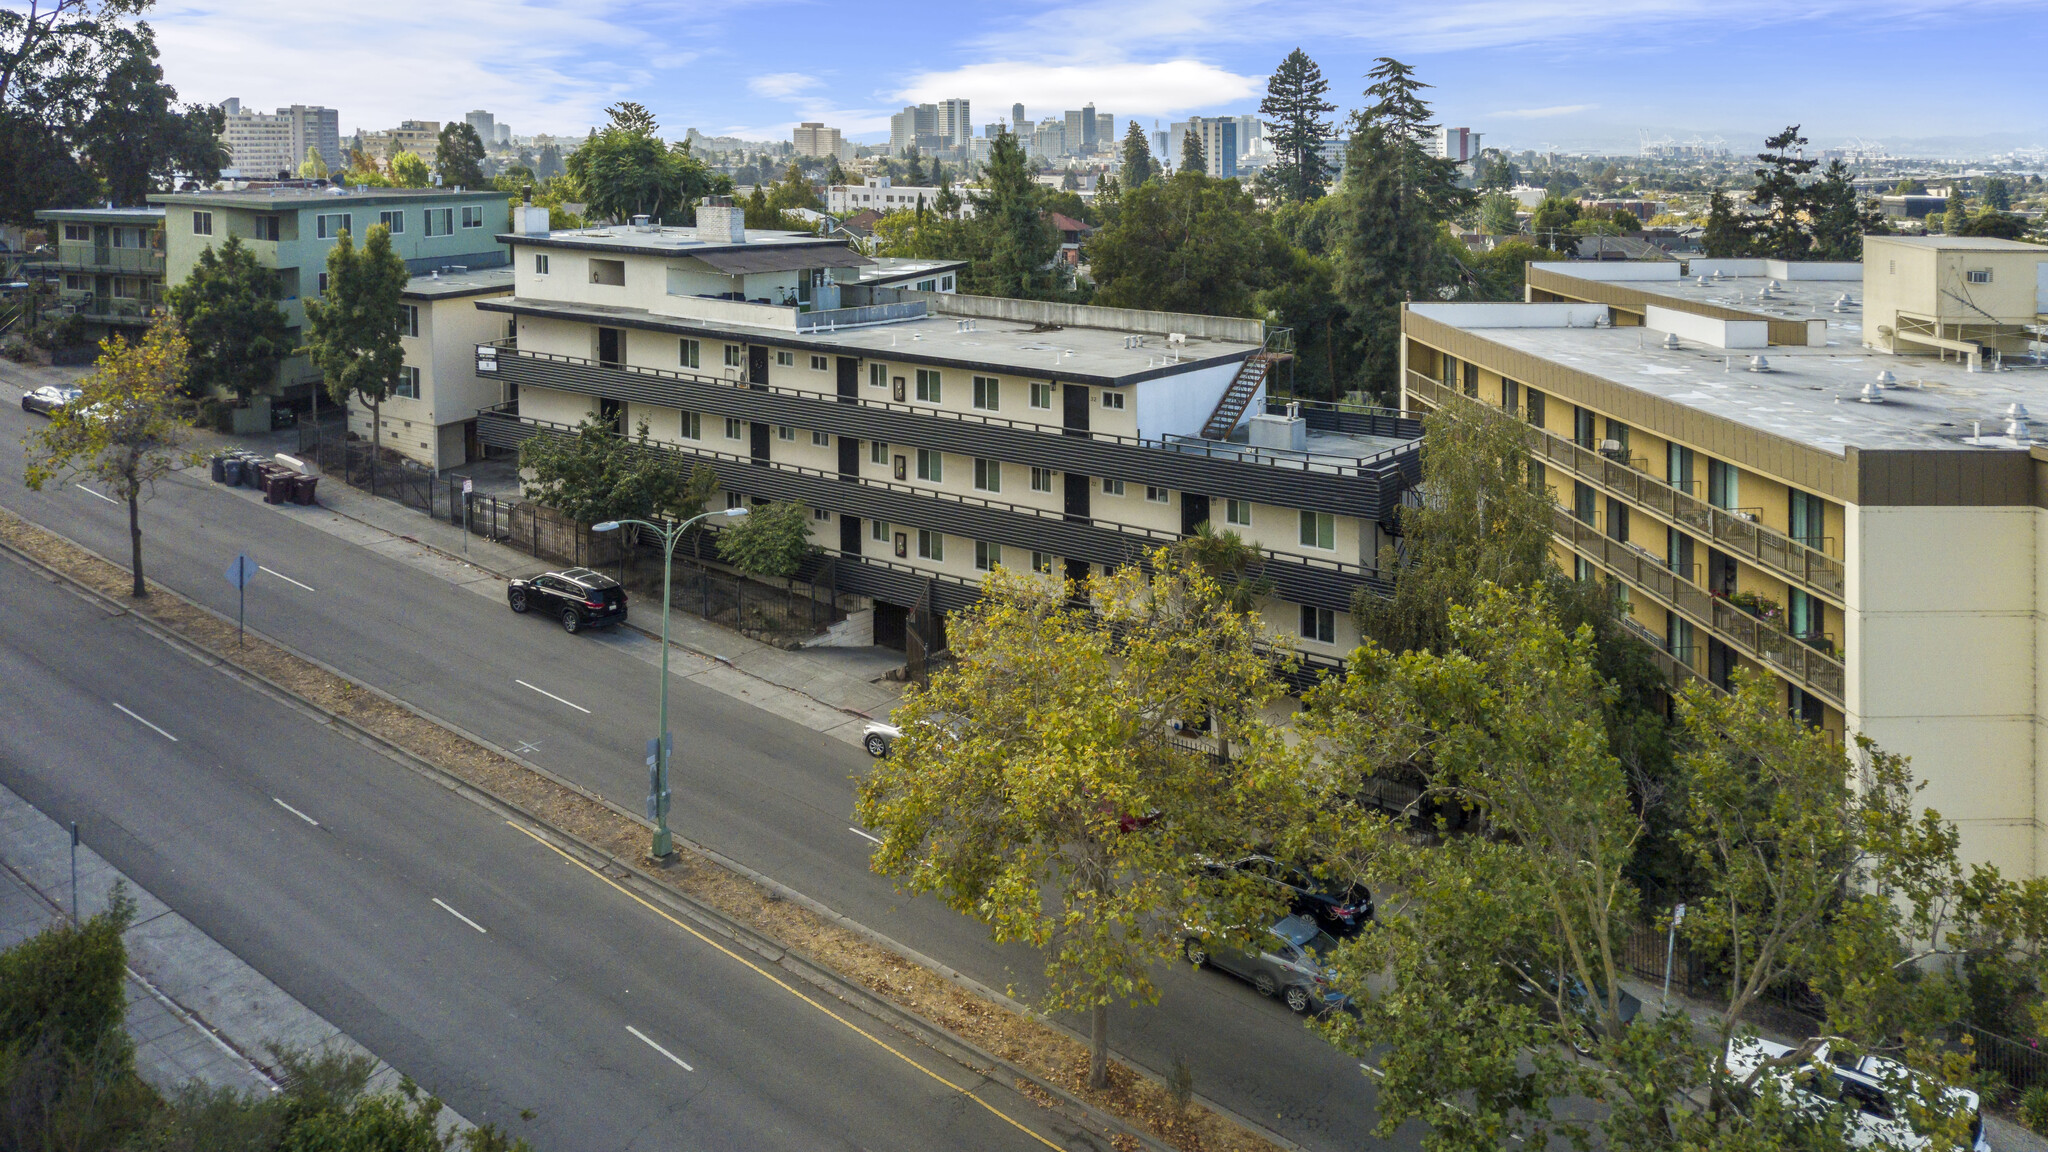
228,309
1020,243
1294,109
1782,231
459,156
1839,218
1138,164
352,331
1192,158
1397,198
1725,236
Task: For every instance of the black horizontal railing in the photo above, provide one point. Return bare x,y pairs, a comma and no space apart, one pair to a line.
1367,487
1323,583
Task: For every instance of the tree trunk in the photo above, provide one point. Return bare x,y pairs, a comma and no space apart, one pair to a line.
376,439
1098,1056
135,542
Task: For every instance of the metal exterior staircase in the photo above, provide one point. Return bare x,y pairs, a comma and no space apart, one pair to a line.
1251,375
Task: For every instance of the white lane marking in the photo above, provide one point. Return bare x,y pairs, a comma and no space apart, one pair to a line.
90,492
147,724
286,579
552,696
294,811
858,832
459,916
658,1048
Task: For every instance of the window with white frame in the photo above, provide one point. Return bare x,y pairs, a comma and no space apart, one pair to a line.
692,425
878,375
785,359
1158,495
408,384
440,221
931,285
928,385
473,216
987,555
878,452
1041,394
878,530
735,356
784,432
988,393
821,514
692,354
821,439
1041,479
1318,624
1112,487
931,545
202,224
733,429
1041,563
77,282
271,228
393,220
328,225
946,283
1318,530
77,232
931,465
408,320
733,500
1238,512
1113,400
988,474
540,264
819,364
1978,275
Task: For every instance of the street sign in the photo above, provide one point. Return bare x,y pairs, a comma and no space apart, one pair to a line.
239,574
468,485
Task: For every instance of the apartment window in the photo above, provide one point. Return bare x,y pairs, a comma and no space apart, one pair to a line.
440,221
733,500
878,375
735,356
267,228
692,426
202,224
84,231
931,545
1583,427
608,272
1536,408
1450,376
1678,552
1978,275
1318,624
74,282
785,359
473,216
540,264
1041,563
320,284
393,220
1807,519
988,393
733,429
821,439
1041,394
1804,613
1113,400
878,530
1158,495
931,465
1722,489
408,384
945,283
1238,512
1472,381
408,320
1618,432
1041,479
820,514
928,385
329,225
818,364
1617,520
927,285
1585,503
1318,530
785,432
692,353
878,452
988,475
987,555
1510,396
1678,467
1112,487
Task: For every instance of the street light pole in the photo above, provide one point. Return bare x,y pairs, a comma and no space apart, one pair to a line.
662,744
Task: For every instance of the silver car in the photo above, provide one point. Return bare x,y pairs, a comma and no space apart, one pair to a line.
48,399
1864,1087
1287,966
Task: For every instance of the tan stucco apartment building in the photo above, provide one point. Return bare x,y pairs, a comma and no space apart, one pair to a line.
1824,471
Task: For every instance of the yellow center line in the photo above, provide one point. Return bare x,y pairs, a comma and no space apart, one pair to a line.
778,982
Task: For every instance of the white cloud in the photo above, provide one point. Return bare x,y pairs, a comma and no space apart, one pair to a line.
1125,89
782,84
1542,113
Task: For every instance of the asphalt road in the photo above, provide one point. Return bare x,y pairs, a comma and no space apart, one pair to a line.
493,970
767,792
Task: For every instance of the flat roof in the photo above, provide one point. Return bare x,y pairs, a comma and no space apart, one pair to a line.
906,268
1086,355
448,285
1809,395
667,240
1966,243
1761,295
308,197
110,215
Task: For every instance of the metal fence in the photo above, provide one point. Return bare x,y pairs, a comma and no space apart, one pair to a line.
2019,1064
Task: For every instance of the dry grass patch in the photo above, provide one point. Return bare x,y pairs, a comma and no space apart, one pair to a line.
1024,1041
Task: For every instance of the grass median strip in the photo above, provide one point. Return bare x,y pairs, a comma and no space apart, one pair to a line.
1024,1041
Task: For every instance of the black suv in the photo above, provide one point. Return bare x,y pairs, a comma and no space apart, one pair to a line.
579,598
1339,909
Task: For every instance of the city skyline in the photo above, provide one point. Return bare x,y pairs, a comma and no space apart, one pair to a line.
1682,67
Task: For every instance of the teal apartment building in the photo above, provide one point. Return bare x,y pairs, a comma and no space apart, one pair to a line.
108,264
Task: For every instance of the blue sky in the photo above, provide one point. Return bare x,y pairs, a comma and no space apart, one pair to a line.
1527,73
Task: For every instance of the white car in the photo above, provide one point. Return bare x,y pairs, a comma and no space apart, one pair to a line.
876,737
1864,1086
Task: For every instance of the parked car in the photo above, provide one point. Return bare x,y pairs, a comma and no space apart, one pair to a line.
47,399
1287,966
1340,909
1583,1005
1865,1087
579,598
877,736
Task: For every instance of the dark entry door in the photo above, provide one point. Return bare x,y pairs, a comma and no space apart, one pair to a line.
613,414
1077,497
849,458
849,380
1074,397
610,346
758,448
1194,510
757,365
849,534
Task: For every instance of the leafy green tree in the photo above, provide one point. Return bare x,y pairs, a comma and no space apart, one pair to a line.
626,171
771,540
2000,225
229,312
598,475
1186,244
1552,222
137,139
1907,186
1503,270
1040,786
1957,216
69,981
1301,294
834,174
352,330
1225,558
458,157
946,202
1725,234
1192,159
409,171
795,190
125,428
314,166
1497,215
1997,194
1838,218
1294,109
1138,165
1012,239
913,166
1397,199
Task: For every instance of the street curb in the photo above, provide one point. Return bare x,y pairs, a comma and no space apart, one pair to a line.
978,1060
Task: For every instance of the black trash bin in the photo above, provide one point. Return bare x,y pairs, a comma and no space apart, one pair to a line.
309,490
220,468
231,471
276,484
253,468
301,488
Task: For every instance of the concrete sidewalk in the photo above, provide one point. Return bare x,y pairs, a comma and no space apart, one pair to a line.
195,1010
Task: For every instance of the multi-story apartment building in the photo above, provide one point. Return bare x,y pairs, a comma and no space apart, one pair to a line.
419,137
878,193
1460,144
109,263
935,436
1822,472
431,416
812,138
261,145
292,229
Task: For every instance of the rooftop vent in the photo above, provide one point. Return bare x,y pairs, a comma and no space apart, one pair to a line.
1702,281
1759,364
2016,422
643,223
1885,379
1671,341
1873,393
1843,303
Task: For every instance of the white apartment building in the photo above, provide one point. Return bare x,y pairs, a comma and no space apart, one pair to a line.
1460,144
262,144
878,193
431,417
935,436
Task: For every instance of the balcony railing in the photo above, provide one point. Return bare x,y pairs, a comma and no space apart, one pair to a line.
85,258
1758,639
1676,663
1733,532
